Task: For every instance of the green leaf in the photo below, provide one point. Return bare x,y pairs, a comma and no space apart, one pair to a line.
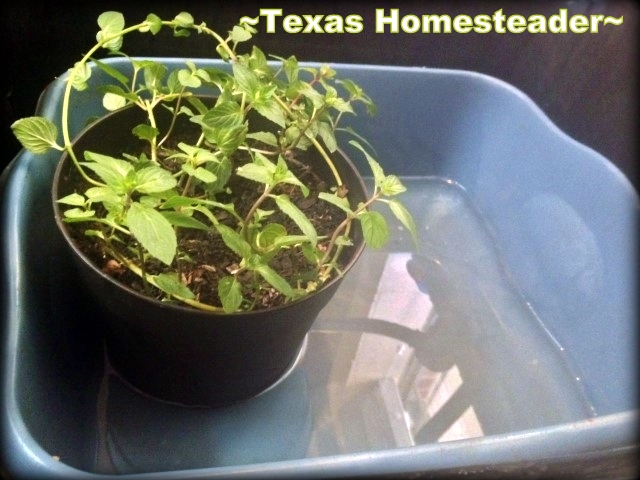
106,195
227,139
155,23
248,81
374,228
222,170
153,72
113,171
240,34
267,138
112,72
257,173
74,199
326,132
230,293
118,91
259,64
333,199
267,237
178,219
36,134
80,74
391,186
110,23
405,217
200,173
145,132
184,20
292,211
154,232
78,213
271,110
274,279
112,101
223,115
169,283
376,169
317,99
282,174
234,241
189,79
153,179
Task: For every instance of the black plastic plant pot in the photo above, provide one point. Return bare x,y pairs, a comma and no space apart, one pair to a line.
177,353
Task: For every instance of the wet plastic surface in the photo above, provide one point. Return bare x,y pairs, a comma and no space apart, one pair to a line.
505,344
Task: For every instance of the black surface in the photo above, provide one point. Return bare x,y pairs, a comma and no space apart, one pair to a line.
586,83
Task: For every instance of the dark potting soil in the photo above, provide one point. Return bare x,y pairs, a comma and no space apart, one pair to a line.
203,258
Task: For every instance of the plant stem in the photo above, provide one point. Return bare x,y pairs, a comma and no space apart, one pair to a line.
255,206
345,224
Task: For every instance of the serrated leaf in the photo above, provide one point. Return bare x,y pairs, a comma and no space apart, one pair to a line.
284,175
200,173
405,217
234,241
271,110
333,199
103,195
145,132
227,139
294,213
222,170
374,228
74,199
154,232
169,283
391,186
36,134
328,136
376,169
274,279
246,79
153,73
257,173
230,293
153,179
223,115
80,74
267,138
112,171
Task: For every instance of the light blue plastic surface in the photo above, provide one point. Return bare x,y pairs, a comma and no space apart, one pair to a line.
563,217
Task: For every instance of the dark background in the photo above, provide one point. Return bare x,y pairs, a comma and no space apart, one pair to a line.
586,83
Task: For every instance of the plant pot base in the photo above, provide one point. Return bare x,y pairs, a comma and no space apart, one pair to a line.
111,370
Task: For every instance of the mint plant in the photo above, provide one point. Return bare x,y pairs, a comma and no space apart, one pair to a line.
139,206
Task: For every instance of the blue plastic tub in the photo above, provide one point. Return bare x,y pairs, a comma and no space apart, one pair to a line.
503,345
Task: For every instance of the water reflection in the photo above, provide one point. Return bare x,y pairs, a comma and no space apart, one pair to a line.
416,347
141,434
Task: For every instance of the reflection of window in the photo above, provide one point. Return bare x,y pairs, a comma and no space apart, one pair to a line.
382,395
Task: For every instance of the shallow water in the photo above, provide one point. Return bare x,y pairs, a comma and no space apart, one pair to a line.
419,345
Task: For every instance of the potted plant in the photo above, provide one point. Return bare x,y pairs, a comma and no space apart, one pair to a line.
212,212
